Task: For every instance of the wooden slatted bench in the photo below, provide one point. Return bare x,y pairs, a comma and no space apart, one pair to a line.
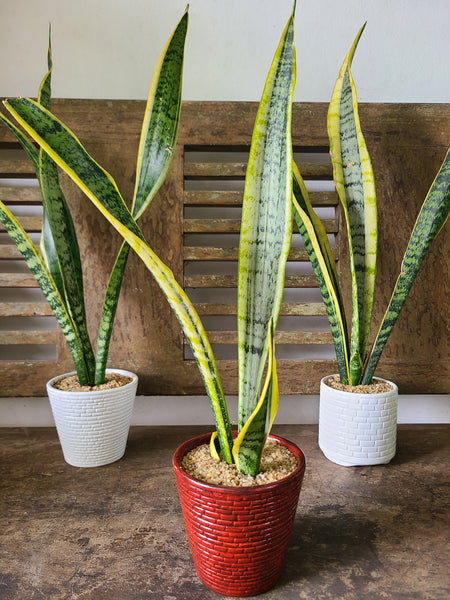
193,225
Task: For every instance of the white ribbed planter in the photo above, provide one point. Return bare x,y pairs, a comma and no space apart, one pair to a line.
357,429
93,426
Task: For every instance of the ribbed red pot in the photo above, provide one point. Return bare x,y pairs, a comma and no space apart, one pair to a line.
238,535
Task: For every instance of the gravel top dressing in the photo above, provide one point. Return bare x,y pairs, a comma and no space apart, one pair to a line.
276,463
71,383
377,387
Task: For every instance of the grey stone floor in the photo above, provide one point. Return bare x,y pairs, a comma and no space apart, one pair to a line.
117,533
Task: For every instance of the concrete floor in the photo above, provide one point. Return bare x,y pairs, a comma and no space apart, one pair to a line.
116,532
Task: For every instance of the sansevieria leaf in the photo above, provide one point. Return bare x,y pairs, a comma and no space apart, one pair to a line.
161,120
47,244
354,180
156,147
67,252
45,91
266,223
432,217
250,442
322,260
39,270
31,151
98,185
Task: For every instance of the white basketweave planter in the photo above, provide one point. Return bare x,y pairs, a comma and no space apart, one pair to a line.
93,426
358,429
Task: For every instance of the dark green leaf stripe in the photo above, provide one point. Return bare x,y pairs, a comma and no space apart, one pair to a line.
266,223
432,217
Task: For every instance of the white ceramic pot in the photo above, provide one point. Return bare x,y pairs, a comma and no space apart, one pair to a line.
358,429
93,426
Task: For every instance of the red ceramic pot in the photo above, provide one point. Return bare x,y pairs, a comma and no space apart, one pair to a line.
238,536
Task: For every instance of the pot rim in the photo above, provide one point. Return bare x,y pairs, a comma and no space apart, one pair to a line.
53,380
378,379
204,438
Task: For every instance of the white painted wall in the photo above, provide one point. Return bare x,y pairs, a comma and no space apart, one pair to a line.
108,49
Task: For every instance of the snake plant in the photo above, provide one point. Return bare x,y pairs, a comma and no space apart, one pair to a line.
57,268
354,181
264,244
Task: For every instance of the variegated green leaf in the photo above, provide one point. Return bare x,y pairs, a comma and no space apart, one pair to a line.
109,310
47,243
432,217
31,151
98,185
249,444
266,222
67,252
39,270
355,185
320,254
157,143
44,94
160,125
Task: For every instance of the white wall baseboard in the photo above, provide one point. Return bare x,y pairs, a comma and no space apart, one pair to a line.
195,410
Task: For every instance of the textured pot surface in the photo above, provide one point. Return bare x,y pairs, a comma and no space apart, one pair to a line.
358,429
238,536
93,426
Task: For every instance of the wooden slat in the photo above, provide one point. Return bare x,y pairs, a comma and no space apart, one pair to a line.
20,194
27,337
238,169
281,337
230,281
234,225
204,253
309,309
212,198
303,309
30,224
8,251
211,225
26,378
17,280
209,253
215,169
233,198
25,309
16,167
